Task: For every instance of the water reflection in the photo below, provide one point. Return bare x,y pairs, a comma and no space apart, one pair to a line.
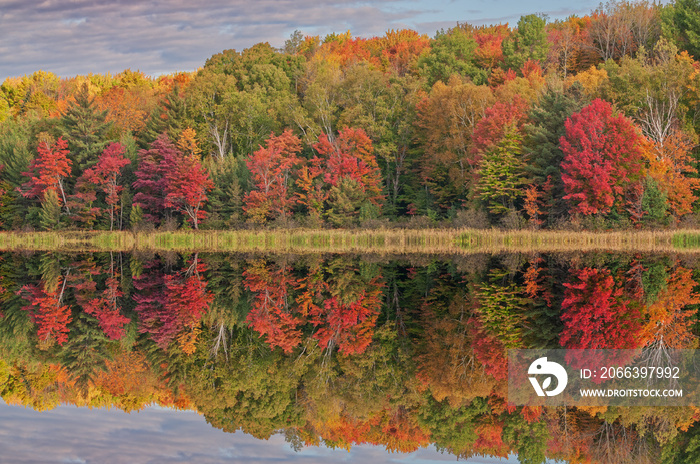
159,435
347,350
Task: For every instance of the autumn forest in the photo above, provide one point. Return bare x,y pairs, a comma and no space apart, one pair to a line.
588,126
583,123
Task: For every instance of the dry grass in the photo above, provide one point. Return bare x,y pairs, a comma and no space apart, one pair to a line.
495,241
390,241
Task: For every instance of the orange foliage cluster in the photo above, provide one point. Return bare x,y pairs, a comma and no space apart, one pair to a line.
396,52
346,322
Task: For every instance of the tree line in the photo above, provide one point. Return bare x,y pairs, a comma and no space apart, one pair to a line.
585,122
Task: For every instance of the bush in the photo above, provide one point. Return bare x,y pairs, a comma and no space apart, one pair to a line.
471,218
168,225
513,220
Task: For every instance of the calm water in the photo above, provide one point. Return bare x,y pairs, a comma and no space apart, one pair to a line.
300,358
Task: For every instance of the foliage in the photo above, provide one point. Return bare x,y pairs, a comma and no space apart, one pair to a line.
187,186
271,169
501,173
48,313
451,53
349,167
596,313
529,42
151,177
47,171
602,158
343,131
50,215
104,175
85,128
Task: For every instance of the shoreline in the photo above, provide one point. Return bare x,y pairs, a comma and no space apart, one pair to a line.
384,241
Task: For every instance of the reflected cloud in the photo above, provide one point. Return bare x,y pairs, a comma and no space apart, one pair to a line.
158,435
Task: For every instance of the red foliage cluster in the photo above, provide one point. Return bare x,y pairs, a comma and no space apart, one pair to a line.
170,304
271,314
280,317
151,176
351,155
603,156
491,128
47,170
47,312
596,314
271,169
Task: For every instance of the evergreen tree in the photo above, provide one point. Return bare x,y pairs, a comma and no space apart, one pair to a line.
169,118
15,150
681,24
541,143
85,128
85,352
345,200
225,200
654,204
50,214
501,173
529,42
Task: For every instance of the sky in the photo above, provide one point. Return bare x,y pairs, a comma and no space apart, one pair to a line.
71,435
71,37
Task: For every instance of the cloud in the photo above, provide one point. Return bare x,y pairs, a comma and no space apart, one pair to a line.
156,435
81,36
69,37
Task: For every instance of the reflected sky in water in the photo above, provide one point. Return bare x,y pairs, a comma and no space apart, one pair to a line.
69,434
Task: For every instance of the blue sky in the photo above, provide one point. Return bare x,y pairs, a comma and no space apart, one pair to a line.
70,37
69,435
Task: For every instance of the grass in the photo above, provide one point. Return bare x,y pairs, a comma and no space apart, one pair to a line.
389,241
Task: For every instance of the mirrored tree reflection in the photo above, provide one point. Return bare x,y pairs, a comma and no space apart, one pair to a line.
344,350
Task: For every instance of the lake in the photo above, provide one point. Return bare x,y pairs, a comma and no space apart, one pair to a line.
221,357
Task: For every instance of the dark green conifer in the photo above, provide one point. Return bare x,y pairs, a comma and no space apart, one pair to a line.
85,128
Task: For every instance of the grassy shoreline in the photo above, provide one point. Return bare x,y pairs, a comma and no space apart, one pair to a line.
389,241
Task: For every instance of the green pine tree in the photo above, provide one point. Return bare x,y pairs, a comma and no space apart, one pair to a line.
85,128
541,143
170,118
501,174
225,200
529,42
680,23
50,214
85,353
345,201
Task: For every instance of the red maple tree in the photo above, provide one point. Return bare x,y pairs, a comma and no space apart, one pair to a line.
47,170
271,314
603,156
104,175
491,128
187,186
271,168
151,176
596,314
351,155
47,312
348,325
106,310
188,299
171,306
